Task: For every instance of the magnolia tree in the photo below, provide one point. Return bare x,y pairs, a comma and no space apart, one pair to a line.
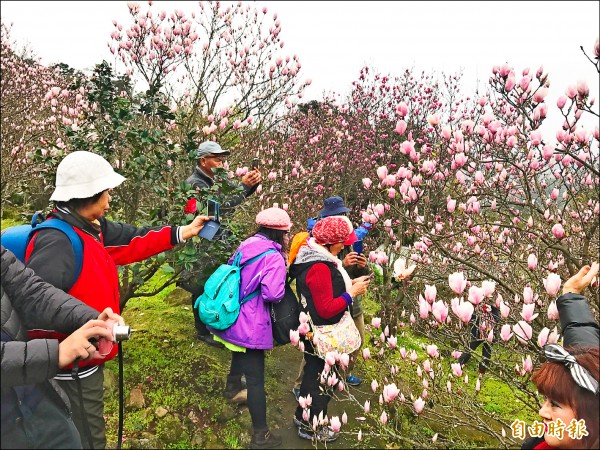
222,65
326,148
236,79
35,104
499,215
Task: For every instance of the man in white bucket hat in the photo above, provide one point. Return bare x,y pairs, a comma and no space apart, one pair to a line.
84,182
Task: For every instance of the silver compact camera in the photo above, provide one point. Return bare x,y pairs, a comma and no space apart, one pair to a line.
121,332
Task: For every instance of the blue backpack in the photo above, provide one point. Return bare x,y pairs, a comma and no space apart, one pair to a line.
219,305
17,238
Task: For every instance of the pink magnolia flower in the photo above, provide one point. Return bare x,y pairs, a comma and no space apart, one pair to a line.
527,295
376,322
523,331
553,311
432,350
430,293
413,356
434,119
367,406
440,311
543,337
424,308
335,424
383,418
374,385
402,109
527,364
403,353
488,287
583,89
552,283
456,369
401,270
390,392
561,102
427,365
451,205
535,137
303,317
553,336
366,353
476,295
456,354
558,231
392,340
477,385
367,183
527,312
303,328
382,172
294,337
465,311
532,261
457,282
504,310
505,333
400,127
419,404
344,360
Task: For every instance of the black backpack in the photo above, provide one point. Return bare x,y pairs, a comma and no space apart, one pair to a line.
285,315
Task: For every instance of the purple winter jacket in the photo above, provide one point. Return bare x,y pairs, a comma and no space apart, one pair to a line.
252,329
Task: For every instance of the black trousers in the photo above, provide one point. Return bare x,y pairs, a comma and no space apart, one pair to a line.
311,382
486,351
252,364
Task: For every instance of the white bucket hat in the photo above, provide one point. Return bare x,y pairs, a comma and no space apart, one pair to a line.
83,174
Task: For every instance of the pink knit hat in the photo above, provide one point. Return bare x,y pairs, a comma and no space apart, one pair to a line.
332,230
275,218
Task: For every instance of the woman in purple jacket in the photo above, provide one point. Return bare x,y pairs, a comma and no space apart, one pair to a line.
251,334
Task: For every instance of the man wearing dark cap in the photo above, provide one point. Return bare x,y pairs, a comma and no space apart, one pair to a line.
210,156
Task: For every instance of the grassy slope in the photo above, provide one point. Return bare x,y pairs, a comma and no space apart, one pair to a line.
183,377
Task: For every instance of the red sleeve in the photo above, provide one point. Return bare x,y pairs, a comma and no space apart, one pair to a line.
318,281
127,244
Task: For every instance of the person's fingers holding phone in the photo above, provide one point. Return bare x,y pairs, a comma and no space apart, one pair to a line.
359,288
361,261
350,259
187,231
252,178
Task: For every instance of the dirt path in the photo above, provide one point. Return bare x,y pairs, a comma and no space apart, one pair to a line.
281,371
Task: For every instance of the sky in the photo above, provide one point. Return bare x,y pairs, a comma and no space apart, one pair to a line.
333,40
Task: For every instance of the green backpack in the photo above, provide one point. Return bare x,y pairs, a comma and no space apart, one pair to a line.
219,304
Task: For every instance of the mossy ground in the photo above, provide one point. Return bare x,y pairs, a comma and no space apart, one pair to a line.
186,377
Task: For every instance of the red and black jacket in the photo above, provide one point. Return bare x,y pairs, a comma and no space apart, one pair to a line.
52,258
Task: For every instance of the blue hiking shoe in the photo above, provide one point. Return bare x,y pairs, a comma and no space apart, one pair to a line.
353,380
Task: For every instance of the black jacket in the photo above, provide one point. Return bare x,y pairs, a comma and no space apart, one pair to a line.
200,181
579,329
29,366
